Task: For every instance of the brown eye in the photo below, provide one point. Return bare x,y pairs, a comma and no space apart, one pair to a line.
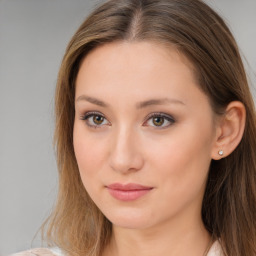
98,119
94,120
158,121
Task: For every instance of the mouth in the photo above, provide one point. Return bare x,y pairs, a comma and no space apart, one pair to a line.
128,192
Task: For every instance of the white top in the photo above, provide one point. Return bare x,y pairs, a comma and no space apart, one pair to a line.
215,250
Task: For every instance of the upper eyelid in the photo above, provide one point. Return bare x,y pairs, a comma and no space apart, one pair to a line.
91,113
164,115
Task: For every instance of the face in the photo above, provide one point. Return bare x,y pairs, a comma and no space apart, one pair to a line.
143,134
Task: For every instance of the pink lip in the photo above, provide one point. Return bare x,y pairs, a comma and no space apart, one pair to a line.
128,192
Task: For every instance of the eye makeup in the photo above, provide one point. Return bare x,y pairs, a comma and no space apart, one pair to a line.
157,120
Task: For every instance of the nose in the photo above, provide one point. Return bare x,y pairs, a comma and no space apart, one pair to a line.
126,154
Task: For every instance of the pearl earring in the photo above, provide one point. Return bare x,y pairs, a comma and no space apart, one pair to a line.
221,152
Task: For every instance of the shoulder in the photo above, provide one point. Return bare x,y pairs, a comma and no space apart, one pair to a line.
40,252
215,250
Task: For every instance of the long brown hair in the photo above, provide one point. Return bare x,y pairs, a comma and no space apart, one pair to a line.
229,206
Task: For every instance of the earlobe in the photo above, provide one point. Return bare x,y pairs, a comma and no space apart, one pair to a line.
230,130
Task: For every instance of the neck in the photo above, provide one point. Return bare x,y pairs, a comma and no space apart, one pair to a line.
165,240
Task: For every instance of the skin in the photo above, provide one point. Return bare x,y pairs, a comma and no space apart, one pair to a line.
126,146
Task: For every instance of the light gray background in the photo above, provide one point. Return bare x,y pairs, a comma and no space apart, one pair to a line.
33,37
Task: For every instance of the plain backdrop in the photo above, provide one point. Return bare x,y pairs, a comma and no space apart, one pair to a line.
33,37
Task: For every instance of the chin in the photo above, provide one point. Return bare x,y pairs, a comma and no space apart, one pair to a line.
130,219
131,224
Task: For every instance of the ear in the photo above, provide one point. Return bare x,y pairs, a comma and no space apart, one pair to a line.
229,130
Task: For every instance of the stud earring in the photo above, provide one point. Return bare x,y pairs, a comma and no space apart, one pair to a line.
221,152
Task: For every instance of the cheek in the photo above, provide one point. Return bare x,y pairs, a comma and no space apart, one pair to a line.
184,144
183,159
89,152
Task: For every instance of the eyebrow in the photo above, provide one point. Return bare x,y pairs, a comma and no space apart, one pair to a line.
163,101
92,100
139,105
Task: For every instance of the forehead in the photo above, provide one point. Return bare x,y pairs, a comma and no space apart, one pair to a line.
130,64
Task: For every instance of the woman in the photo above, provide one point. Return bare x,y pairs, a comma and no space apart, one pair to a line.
155,135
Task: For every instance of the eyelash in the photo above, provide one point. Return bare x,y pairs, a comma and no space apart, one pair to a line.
166,117
86,116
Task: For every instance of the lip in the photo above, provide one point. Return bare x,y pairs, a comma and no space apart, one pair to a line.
128,192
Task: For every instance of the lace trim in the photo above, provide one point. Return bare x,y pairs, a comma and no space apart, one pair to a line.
37,252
